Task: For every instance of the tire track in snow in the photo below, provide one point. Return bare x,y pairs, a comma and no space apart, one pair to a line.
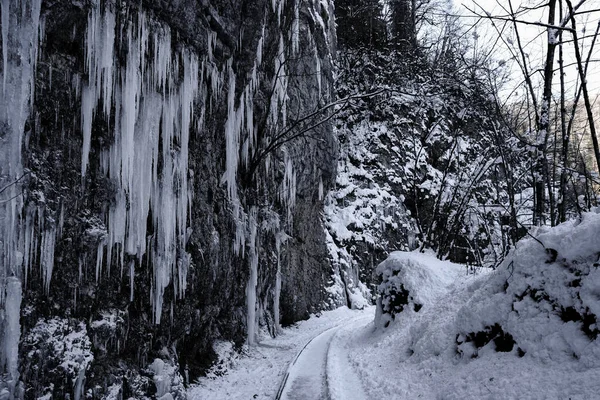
322,371
343,382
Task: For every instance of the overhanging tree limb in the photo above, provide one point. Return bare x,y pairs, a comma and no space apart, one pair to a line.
302,126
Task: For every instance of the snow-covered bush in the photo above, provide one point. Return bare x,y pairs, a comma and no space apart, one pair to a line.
545,298
410,281
58,354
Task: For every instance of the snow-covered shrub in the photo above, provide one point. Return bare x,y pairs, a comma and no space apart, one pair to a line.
107,329
168,380
410,281
546,296
423,165
58,354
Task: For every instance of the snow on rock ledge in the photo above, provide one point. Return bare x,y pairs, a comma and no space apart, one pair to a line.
411,280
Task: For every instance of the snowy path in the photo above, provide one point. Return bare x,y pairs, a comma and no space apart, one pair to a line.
322,369
258,373
306,377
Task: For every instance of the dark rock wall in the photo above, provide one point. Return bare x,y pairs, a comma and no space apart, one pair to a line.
73,219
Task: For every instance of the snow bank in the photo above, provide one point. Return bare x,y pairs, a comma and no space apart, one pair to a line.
528,330
411,280
546,298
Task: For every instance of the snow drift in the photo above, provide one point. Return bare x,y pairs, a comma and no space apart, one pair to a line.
410,280
528,330
546,296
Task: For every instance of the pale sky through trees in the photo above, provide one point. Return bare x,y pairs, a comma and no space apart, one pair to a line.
534,40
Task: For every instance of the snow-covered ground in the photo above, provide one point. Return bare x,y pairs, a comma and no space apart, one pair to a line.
525,331
258,372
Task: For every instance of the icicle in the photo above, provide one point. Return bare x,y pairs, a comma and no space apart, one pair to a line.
279,96
20,22
130,95
288,190
131,279
153,102
5,22
106,64
296,29
12,332
100,38
211,43
61,220
278,6
87,110
232,137
260,48
99,260
47,257
320,188
318,71
253,278
240,229
29,242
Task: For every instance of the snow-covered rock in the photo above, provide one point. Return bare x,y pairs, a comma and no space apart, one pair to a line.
546,296
59,353
411,281
527,330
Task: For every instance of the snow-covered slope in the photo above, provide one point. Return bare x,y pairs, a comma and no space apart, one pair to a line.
525,331
419,167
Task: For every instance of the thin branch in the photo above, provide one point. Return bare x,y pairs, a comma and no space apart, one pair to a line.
14,182
287,134
519,21
12,198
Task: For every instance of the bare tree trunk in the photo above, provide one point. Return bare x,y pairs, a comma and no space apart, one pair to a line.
541,165
552,177
586,97
525,68
562,205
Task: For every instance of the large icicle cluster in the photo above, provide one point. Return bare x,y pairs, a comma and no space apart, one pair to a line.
153,113
242,141
241,145
20,32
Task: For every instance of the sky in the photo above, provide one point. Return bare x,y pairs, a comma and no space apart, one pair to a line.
534,39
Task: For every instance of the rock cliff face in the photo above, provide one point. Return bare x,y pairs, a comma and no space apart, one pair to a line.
162,174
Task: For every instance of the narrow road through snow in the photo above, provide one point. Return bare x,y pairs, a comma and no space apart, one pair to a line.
321,371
